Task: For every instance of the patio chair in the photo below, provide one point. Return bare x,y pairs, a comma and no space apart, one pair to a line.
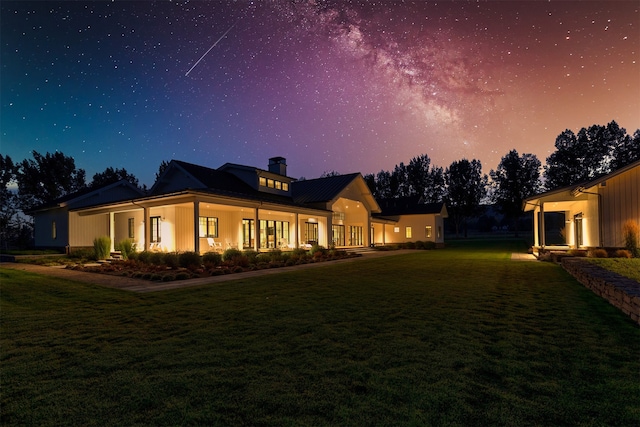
216,246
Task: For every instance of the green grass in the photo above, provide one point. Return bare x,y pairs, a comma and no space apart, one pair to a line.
460,336
628,267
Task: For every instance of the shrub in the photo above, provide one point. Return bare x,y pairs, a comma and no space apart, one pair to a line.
577,253
183,275
102,247
144,257
190,259
631,230
212,259
622,253
300,252
81,254
429,245
251,255
263,258
156,258
315,249
275,254
125,247
598,253
170,259
410,245
230,254
419,244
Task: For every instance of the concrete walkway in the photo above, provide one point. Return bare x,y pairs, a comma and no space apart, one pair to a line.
138,285
516,256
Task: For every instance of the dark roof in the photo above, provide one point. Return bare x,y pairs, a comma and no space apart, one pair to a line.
83,192
321,190
224,183
216,179
407,206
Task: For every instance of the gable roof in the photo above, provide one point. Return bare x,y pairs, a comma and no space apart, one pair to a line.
321,190
119,190
575,189
408,206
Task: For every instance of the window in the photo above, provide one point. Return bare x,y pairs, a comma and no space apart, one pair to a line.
274,234
132,228
396,229
54,230
248,233
273,183
355,235
208,226
338,216
427,231
338,235
155,229
407,232
311,232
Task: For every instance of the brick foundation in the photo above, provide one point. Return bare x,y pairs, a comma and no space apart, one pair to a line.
621,292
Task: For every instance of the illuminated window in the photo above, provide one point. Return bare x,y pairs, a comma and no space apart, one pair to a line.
355,236
396,229
131,228
427,231
54,230
338,216
407,232
270,183
285,186
263,181
311,233
278,185
155,229
338,235
208,227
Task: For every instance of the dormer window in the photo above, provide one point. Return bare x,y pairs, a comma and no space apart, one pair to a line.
263,181
273,183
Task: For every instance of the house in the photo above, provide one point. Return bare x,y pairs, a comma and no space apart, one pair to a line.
593,213
196,208
52,228
408,219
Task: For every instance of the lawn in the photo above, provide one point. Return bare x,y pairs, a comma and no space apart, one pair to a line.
460,336
628,267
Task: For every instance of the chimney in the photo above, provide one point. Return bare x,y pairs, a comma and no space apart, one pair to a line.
278,165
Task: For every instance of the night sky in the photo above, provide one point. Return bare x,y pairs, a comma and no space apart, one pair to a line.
346,86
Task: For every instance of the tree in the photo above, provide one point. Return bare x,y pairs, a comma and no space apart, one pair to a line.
465,186
515,179
46,178
111,175
163,166
627,151
370,179
383,185
9,224
593,152
328,174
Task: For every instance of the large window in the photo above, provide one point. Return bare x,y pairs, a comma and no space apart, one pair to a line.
155,230
407,232
311,233
248,233
338,235
427,231
208,226
54,230
274,234
132,228
355,236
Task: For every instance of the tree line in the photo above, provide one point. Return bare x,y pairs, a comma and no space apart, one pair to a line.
592,152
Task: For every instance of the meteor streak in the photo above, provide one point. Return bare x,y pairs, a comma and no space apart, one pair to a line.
212,46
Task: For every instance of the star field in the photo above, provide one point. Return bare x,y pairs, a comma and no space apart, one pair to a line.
330,85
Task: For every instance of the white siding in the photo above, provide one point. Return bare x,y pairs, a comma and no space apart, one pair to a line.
620,202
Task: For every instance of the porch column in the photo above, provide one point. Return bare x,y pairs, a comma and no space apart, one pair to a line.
542,230
536,227
330,230
256,226
112,230
369,241
196,226
147,229
297,231
384,234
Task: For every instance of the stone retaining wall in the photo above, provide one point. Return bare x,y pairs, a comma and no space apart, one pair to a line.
620,291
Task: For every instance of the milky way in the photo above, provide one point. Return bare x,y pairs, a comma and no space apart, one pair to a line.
344,86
